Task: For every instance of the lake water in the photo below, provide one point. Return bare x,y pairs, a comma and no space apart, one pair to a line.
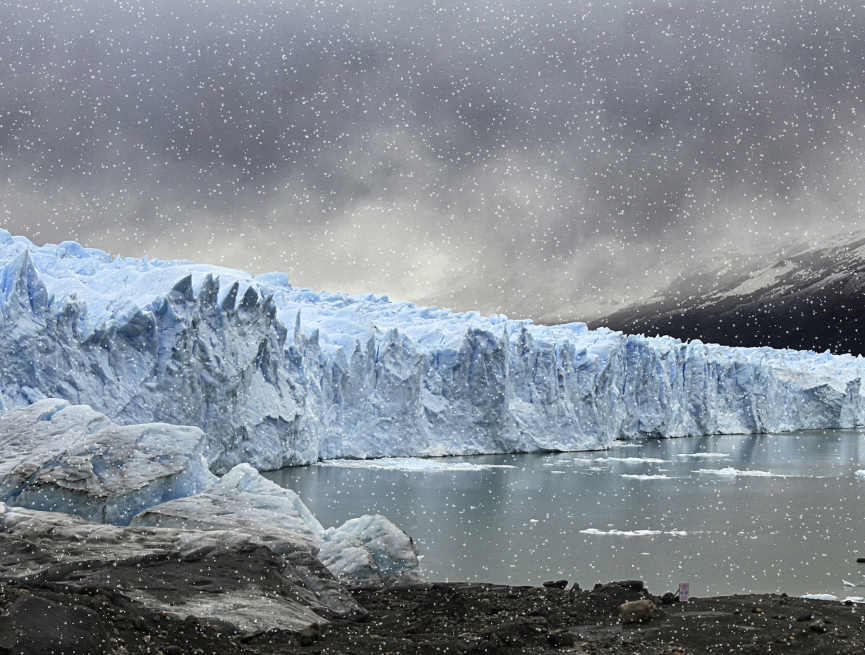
786,514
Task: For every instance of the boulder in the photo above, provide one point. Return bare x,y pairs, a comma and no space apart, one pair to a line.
637,611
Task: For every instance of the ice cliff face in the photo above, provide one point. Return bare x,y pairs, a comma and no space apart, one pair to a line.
276,375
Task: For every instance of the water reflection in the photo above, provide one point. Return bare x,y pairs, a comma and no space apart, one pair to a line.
526,524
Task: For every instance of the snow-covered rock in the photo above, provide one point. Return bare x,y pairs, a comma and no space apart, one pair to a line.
242,501
277,376
371,552
222,577
58,457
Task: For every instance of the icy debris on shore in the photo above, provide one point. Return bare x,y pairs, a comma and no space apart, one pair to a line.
366,552
68,458
242,501
370,552
222,577
828,597
277,375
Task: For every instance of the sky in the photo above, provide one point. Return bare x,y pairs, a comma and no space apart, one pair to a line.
552,160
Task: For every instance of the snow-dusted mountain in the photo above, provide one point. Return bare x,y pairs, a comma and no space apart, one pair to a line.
275,375
802,297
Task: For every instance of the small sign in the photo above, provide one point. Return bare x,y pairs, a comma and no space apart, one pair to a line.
684,592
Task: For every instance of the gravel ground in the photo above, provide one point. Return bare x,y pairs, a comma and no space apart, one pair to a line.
446,618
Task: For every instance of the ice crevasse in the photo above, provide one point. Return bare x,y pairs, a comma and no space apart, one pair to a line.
276,375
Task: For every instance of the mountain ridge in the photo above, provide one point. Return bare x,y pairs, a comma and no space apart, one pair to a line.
800,297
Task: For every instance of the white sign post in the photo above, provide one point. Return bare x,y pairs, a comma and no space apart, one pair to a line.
684,592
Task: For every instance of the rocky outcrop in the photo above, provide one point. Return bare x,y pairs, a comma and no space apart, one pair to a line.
222,577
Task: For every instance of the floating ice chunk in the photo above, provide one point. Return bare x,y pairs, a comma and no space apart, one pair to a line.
68,458
847,584
731,472
659,476
634,533
703,455
411,464
631,460
819,597
854,599
860,474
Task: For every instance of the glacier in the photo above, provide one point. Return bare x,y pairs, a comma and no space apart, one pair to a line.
276,375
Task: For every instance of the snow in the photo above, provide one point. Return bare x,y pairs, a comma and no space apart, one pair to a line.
276,376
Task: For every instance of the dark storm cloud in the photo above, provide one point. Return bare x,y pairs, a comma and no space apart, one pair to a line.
540,160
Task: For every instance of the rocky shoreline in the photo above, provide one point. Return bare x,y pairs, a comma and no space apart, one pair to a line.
434,619
117,540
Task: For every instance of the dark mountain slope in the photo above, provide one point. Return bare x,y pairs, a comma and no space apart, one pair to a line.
807,298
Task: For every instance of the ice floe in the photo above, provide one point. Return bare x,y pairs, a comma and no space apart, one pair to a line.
635,533
411,464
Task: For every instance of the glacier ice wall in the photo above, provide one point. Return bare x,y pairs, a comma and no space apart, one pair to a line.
277,375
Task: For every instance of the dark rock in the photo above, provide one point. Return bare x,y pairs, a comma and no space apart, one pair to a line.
805,617
556,584
860,560
139,623
632,585
562,639
92,590
576,587
36,626
669,598
172,650
309,635
817,626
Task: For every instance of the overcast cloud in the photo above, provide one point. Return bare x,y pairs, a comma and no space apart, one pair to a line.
543,160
